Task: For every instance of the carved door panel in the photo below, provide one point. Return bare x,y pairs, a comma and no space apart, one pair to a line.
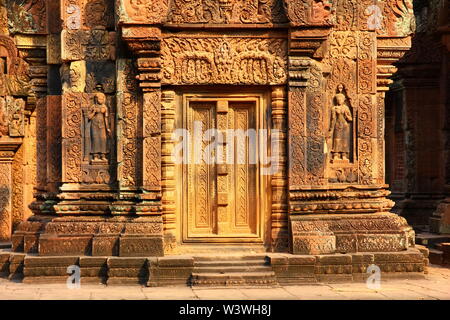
221,175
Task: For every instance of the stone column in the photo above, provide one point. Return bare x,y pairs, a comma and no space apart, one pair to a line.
168,170
279,167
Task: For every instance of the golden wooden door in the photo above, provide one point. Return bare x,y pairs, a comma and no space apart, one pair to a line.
222,172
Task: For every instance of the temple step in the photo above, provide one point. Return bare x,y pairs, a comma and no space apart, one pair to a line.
209,279
436,256
431,240
232,271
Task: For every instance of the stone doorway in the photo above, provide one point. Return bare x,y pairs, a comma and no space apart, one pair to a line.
221,171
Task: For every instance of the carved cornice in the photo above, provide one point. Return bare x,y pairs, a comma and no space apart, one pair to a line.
309,42
145,43
8,148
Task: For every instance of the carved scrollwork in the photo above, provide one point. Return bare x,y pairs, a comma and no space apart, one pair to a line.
224,61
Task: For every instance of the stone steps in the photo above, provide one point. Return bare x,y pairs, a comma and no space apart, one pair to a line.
232,270
5,245
229,263
430,240
438,246
210,279
435,256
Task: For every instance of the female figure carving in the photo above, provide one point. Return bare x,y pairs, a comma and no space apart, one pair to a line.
98,116
340,129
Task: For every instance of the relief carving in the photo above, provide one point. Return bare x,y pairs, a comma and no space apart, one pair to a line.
74,76
309,12
340,132
399,18
12,117
128,124
148,11
99,123
226,11
27,16
94,45
14,71
224,61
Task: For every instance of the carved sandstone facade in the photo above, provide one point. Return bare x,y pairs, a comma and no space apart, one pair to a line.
126,76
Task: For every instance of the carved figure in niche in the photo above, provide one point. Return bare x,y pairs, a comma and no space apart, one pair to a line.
99,117
3,118
340,129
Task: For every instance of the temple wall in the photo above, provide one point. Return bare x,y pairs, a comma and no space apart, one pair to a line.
96,143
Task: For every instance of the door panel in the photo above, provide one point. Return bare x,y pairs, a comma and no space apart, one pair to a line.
222,186
201,175
243,173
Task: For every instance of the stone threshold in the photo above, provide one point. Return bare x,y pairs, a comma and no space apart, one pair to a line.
270,269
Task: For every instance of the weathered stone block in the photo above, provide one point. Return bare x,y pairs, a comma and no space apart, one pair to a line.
104,245
314,243
17,241
140,246
31,243
64,246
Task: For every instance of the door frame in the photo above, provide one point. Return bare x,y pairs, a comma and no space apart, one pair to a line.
263,193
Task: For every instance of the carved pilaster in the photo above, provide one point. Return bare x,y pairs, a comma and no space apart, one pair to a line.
8,148
168,182
336,121
145,43
280,176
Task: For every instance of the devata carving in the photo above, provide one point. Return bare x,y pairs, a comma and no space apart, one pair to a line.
341,127
99,120
224,60
226,11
